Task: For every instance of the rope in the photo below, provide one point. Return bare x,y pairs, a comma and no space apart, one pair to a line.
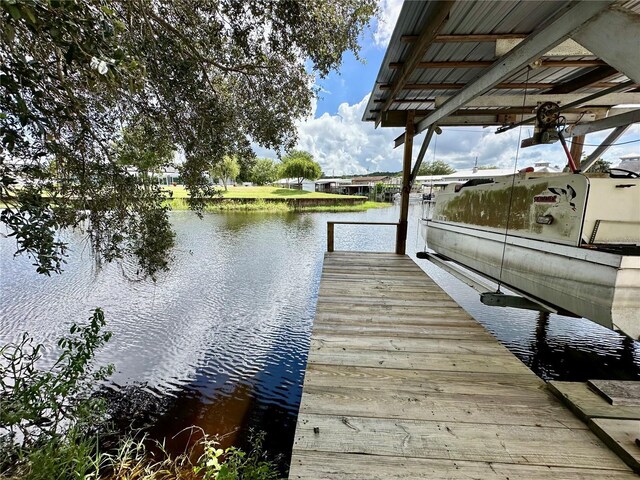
513,182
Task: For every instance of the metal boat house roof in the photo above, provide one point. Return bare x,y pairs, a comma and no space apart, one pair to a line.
492,63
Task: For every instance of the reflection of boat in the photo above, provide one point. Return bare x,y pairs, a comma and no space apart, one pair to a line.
570,240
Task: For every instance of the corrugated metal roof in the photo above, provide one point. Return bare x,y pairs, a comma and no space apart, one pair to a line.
493,18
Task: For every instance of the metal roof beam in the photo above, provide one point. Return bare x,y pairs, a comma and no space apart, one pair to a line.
488,63
613,36
461,38
591,78
488,101
568,48
498,86
588,162
567,21
423,150
436,20
610,122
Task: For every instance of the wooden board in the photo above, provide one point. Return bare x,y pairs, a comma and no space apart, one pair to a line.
587,404
410,404
338,466
622,436
518,444
401,382
424,382
617,392
328,342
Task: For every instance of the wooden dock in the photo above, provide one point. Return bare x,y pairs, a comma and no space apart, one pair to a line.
402,383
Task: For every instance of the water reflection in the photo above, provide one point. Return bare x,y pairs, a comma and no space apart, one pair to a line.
222,339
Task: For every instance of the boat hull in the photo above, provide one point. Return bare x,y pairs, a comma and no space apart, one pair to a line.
601,286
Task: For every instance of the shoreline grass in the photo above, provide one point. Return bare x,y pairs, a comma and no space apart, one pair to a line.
273,199
258,192
259,205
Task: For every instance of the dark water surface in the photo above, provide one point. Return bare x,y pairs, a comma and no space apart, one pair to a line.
221,340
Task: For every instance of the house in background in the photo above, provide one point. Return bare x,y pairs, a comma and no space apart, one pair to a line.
307,185
331,185
630,161
364,185
165,176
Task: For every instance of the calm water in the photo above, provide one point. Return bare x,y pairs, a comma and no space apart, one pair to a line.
221,340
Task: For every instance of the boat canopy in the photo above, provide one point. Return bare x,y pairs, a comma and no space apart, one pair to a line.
493,63
470,63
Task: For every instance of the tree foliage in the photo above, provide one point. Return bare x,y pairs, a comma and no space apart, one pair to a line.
208,77
437,167
264,171
144,147
300,165
600,166
227,169
39,405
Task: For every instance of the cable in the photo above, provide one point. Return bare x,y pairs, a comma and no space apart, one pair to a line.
513,182
605,144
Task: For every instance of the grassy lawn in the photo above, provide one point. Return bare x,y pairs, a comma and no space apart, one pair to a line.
258,192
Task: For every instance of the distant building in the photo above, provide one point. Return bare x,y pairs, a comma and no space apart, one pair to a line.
331,185
545,167
461,176
364,185
166,175
307,185
630,161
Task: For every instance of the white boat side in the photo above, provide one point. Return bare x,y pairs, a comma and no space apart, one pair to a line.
570,240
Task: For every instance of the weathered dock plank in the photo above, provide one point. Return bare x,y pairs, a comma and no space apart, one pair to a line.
402,383
617,425
337,466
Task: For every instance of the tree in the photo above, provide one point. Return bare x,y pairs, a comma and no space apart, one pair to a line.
211,77
227,169
600,166
300,165
145,149
437,167
264,171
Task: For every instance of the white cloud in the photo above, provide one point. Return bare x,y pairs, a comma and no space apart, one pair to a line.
345,145
389,12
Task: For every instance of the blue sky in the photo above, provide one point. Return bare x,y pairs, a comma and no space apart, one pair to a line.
354,80
344,145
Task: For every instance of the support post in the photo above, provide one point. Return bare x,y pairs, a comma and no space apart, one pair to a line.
401,234
604,146
330,236
576,149
423,150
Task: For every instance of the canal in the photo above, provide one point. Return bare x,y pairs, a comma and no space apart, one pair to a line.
220,341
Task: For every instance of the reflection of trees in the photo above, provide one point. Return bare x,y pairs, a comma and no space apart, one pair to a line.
238,221
218,411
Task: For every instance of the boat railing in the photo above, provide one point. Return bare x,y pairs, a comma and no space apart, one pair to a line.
331,229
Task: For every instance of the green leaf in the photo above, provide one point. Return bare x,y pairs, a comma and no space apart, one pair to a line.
29,14
10,31
14,12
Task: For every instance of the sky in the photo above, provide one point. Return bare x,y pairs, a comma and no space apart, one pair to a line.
343,144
